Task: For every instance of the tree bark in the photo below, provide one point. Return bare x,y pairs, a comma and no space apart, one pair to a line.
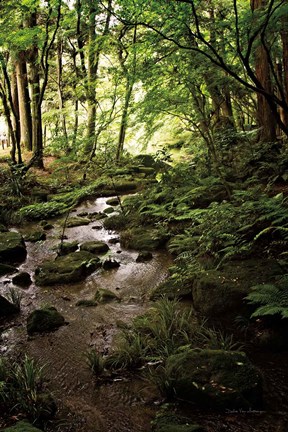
24,101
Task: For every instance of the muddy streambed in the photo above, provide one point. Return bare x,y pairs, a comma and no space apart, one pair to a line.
84,405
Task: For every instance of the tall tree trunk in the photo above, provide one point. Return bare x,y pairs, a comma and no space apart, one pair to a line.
15,119
284,38
60,92
265,117
24,101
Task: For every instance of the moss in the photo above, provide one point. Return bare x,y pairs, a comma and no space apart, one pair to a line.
103,295
66,248
116,222
43,210
44,320
112,201
22,426
12,247
86,303
94,247
67,269
173,288
147,239
77,221
215,378
35,236
109,210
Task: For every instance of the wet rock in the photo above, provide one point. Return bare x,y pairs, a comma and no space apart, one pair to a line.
44,320
110,264
97,227
35,236
100,216
7,269
215,378
7,308
22,426
103,295
172,289
12,247
115,222
86,303
144,256
147,239
112,201
109,210
66,248
114,240
22,279
77,221
66,269
95,247
48,226
83,214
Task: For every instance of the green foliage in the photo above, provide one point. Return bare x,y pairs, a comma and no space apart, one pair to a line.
43,210
270,299
22,388
15,296
95,362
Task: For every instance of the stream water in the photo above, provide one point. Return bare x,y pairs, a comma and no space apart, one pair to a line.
127,404
121,405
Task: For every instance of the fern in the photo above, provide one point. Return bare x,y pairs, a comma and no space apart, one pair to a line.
273,299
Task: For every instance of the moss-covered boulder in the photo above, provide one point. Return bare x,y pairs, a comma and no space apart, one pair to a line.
35,236
77,221
215,378
7,269
86,303
109,210
44,320
103,295
110,264
221,292
116,222
12,247
66,269
143,239
112,201
66,248
94,247
144,256
22,279
173,288
22,426
7,308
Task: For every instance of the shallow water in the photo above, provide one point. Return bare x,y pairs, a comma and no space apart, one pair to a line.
115,406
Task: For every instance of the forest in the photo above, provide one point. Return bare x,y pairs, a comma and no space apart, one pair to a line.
143,215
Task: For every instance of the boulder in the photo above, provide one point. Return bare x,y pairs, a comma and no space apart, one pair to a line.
112,201
77,221
44,320
22,279
7,269
147,239
110,264
7,308
86,303
215,378
173,289
35,236
21,426
109,210
103,295
66,269
94,247
66,248
12,247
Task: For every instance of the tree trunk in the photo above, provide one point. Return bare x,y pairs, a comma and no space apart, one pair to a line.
15,119
60,92
24,101
284,38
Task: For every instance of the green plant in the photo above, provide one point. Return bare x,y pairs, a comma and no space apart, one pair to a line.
15,296
270,299
95,361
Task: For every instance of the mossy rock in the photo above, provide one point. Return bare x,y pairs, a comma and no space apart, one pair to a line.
172,288
110,264
103,295
66,269
21,426
173,423
44,320
12,247
112,201
215,378
7,308
7,269
147,239
219,293
144,256
86,303
22,279
35,236
94,247
109,210
125,186
115,222
66,248
99,216
77,221
3,228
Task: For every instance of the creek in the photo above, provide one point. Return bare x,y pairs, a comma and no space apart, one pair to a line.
83,404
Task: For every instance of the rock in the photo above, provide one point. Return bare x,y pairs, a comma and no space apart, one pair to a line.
215,378
114,240
97,227
35,236
21,426
100,216
112,201
3,228
7,308
172,289
22,279
67,269
147,239
110,264
77,221
218,293
109,210
44,320
115,222
7,269
12,247
103,295
66,248
95,247
144,256
83,214
48,226
86,303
